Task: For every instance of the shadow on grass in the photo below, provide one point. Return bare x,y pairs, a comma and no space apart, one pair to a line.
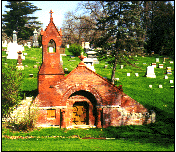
160,133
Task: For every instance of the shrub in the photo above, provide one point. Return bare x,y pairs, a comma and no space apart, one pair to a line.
76,49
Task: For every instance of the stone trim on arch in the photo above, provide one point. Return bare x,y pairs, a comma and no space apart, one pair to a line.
78,87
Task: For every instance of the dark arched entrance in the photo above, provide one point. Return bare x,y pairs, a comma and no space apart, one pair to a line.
84,108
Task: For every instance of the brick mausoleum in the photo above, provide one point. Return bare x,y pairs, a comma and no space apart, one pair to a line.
82,98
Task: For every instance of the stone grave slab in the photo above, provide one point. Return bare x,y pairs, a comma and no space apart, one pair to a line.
150,72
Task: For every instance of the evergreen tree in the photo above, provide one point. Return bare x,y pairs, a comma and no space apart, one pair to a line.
18,19
159,21
11,81
122,31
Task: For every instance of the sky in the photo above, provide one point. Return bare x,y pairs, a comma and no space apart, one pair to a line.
58,7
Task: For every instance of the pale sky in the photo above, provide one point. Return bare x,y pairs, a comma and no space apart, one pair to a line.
58,7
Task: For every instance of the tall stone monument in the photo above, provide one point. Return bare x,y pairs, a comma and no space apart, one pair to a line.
35,42
14,36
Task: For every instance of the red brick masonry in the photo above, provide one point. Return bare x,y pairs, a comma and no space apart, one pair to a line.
106,104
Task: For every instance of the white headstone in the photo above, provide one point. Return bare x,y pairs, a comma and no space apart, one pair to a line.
14,36
128,74
87,45
170,61
157,59
161,66
154,65
150,72
160,86
116,79
67,45
89,63
136,74
150,86
121,66
171,81
12,50
165,77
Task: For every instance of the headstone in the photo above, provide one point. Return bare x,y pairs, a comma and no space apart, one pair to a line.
105,66
165,77
150,72
128,74
135,55
30,75
65,70
13,49
170,61
14,36
89,63
150,86
35,42
35,66
68,46
136,74
154,65
160,86
50,49
25,53
26,66
121,66
87,45
171,81
29,44
169,70
157,59
19,64
4,44
91,54
161,66
116,79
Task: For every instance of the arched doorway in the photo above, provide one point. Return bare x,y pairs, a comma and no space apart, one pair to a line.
84,111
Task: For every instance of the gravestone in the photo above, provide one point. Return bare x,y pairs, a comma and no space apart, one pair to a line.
19,63
150,72
160,86
105,66
116,79
35,42
12,50
121,66
4,44
29,44
171,62
150,86
89,63
35,66
136,74
68,46
169,70
154,65
165,77
14,36
25,53
128,74
157,59
171,81
30,75
161,66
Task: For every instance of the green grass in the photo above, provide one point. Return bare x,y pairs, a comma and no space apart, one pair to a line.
79,145
158,136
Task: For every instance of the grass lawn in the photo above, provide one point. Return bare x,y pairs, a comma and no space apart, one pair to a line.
153,137
80,145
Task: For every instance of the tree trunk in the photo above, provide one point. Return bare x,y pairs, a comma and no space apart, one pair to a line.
113,71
